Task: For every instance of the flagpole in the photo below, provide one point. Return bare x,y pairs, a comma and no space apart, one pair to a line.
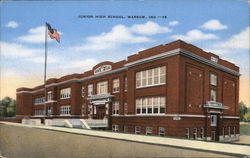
45,69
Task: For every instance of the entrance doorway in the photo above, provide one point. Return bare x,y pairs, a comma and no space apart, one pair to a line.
215,130
100,111
213,135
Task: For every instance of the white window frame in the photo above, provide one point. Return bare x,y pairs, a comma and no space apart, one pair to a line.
65,93
50,96
137,129
202,132
83,91
213,79
156,73
149,131
213,94
125,108
65,110
102,87
162,131
115,128
187,133
116,108
116,85
39,101
195,133
143,102
39,112
213,119
125,84
90,89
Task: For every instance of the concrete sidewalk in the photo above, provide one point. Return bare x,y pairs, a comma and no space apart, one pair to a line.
89,143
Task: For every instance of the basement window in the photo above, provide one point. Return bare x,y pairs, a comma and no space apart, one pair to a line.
149,131
137,130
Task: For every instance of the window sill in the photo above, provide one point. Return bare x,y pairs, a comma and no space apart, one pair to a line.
151,86
64,98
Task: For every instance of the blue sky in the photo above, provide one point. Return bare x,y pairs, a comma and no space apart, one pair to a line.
218,26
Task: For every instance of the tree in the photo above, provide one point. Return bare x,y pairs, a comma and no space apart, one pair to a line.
7,107
243,110
247,116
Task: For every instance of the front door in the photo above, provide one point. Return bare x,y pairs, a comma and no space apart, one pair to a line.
100,111
213,135
215,131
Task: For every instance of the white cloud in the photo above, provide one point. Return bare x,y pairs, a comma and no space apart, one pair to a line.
79,66
237,41
119,34
41,59
17,50
12,24
213,25
218,51
149,28
195,35
35,35
173,23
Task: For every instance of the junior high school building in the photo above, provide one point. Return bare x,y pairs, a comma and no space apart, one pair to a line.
175,89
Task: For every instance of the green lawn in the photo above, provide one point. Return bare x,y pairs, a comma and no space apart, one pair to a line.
245,129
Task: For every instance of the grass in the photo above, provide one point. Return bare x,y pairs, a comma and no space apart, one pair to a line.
245,129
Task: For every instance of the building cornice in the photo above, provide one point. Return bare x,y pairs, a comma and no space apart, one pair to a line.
161,115
208,62
154,57
183,52
76,80
174,52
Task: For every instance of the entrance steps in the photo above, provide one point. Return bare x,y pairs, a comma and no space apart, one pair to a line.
77,123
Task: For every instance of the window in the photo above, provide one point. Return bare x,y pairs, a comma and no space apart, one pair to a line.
213,94
49,110
213,87
187,133
83,91
39,100
138,79
223,132
234,131
116,85
202,133
39,112
115,128
125,129
50,96
150,105
125,84
213,79
161,131
151,77
115,108
137,130
229,132
90,90
65,93
195,133
65,110
213,120
102,87
149,131
125,108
